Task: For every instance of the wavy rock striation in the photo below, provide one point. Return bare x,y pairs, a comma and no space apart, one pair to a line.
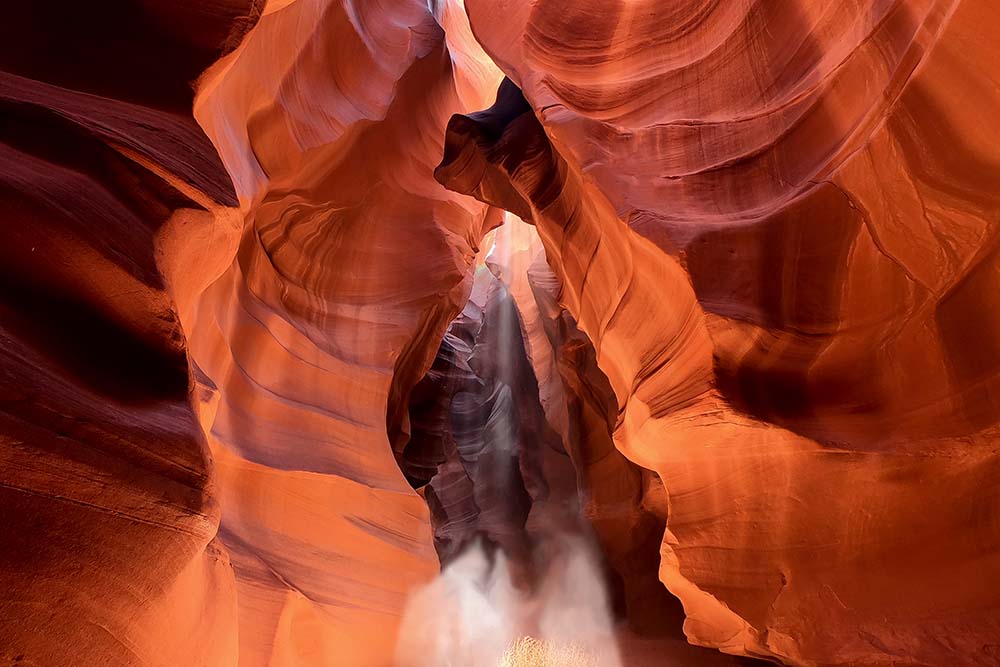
108,555
211,380
754,342
809,547
309,325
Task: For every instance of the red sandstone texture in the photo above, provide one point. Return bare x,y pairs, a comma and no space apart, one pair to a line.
298,300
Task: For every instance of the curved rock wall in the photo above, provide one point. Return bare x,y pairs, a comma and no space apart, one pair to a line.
812,550
771,238
108,554
281,320
349,263
827,157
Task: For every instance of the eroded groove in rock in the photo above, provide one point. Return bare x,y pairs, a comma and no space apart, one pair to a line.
624,503
588,487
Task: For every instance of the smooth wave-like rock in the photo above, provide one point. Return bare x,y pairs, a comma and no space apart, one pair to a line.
778,545
164,309
275,344
317,315
109,550
827,158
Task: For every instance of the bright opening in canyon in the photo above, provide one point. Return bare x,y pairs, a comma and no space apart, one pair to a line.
499,332
521,582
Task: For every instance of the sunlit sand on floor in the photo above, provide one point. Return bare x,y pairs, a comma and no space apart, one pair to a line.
531,652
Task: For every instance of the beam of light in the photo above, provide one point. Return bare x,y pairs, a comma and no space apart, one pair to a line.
474,616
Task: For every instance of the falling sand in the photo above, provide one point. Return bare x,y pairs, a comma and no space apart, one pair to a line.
476,615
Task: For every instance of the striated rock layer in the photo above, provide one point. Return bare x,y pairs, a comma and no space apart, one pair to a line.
108,553
244,393
774,224
203,386
313,319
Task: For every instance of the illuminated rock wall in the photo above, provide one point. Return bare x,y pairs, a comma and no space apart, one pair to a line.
759,320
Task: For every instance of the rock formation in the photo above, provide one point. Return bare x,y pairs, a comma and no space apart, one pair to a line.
302,297
109,549
799,375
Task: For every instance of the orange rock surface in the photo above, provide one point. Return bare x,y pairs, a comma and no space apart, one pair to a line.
779,266
266,366
108,549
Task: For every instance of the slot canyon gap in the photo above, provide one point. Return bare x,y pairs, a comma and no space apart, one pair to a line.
500,333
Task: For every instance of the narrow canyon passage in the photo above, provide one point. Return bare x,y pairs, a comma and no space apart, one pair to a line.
518,558
462,333
536,516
